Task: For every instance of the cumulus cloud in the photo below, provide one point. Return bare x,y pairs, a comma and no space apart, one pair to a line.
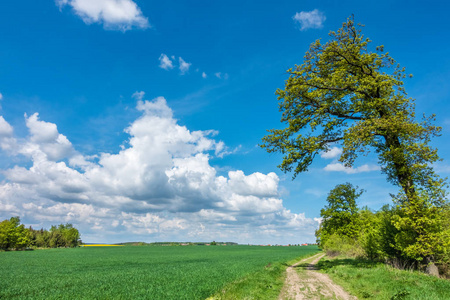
204,75
331,153
310,19
184,66
7,141
161,186
165,62
6,130
338,167
45,139
113,14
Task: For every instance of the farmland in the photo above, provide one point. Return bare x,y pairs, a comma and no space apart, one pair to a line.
152,272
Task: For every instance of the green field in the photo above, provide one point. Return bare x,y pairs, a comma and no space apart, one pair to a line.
150,272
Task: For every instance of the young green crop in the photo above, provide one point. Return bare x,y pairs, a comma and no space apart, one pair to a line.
150,272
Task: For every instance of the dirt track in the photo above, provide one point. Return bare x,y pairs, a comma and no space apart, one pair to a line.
310,284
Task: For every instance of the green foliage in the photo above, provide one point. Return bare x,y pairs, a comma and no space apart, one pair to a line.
344,93
342,245
422,225
58,236
340,216
139,272
369,236
404,237
13,235
347,93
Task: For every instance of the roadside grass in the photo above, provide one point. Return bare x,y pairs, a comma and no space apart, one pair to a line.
263,284
371,280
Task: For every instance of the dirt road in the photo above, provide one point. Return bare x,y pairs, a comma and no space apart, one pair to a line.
310,284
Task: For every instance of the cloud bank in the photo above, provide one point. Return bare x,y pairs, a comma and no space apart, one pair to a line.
161,186
113,14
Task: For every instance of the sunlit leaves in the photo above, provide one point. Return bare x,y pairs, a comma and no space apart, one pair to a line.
344,93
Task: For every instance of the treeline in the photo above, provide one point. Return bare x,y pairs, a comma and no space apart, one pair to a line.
15,236
404,236
177,243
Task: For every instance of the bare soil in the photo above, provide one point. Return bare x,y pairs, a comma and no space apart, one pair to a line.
310,284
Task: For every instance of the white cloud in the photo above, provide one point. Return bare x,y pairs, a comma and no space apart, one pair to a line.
310,19
338,167
7,141
204,75
165,62
45,139
6,130
331,153
113,14
221,75
254,184
160,187
138,95
184,66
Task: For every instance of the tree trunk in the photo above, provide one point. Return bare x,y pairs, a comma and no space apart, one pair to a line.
402,170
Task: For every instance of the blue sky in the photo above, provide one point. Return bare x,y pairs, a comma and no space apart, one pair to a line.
140,120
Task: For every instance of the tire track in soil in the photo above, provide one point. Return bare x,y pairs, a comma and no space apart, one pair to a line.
311,284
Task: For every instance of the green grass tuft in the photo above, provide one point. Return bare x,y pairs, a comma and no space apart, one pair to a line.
371,280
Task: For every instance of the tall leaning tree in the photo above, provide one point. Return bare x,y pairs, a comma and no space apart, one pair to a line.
345,94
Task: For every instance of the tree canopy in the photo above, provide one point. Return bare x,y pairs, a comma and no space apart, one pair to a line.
14,235
340,216
346,94
349,93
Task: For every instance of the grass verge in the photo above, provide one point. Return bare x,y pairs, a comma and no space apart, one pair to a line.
263,284
371,280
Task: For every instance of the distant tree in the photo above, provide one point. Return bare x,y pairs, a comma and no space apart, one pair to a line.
42,238
71,236
64,236
340,216
13,235
56,238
